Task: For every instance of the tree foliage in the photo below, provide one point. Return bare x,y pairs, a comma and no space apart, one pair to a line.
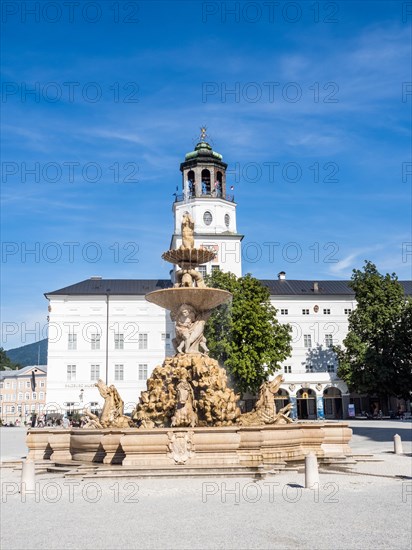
5,361
377,353
245,335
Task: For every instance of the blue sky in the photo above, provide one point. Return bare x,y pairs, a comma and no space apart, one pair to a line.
316,135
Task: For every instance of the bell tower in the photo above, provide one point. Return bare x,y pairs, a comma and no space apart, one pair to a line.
204,196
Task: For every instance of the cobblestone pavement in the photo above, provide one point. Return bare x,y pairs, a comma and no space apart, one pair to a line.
367,508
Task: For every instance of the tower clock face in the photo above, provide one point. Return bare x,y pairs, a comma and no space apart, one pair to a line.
207,218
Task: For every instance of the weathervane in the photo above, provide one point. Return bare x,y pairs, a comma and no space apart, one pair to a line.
203,134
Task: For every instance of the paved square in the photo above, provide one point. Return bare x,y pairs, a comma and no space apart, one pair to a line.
367,508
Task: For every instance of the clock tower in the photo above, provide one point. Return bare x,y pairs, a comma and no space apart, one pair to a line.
204,196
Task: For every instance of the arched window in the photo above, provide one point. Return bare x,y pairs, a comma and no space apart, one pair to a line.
205,182
191,182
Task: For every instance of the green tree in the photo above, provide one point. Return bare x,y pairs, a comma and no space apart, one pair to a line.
245,335
376,357
5,361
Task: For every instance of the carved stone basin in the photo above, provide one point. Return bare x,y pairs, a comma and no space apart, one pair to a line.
193,256
202,299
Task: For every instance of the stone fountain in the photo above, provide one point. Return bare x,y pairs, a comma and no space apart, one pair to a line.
190,388
188,417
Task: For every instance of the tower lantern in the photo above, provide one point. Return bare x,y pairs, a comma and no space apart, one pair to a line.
203,171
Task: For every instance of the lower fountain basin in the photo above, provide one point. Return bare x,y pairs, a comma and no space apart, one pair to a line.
202,299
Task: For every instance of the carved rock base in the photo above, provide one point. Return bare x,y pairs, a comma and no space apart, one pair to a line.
212,402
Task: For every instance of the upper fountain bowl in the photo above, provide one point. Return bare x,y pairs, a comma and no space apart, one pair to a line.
202,299
192,256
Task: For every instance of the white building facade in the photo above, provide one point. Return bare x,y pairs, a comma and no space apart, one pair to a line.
104,328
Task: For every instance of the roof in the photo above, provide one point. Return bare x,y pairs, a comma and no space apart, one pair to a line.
140,287
23,371
118,287
285,287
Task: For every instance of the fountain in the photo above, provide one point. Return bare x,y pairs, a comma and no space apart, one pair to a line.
188,417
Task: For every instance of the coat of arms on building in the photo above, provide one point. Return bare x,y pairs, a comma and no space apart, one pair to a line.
181,446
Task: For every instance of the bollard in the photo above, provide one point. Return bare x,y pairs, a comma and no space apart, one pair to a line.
28,481
311,470
397,445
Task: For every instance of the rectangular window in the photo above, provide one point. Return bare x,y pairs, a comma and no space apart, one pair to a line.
326,312
143,371
72,341
331,368
202,270
118,341
307,340
287,369
119,372
94,372
328,340
20,397
41,395
28,384
348,311
1,385
309,368
166,339
305,312
215,268
7,385
27,396
142,341
71,373
42,384
34,396
13,384
284,312
95,341
19,408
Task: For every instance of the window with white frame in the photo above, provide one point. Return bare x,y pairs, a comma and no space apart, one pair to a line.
13,384
118,341
287,369
20,397
330,368
328,340
305,312
34,396
71,372
7,385
284,312
94,372
326,311
215,268
72,341
27,397
307,340
166,339
348,311
119,372
28,384
42,384
309,368
142,340
143,371
41,395
95,341
202,270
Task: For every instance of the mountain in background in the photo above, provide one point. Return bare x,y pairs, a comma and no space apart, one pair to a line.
30,354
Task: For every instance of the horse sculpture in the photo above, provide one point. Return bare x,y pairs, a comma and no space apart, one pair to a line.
112,414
